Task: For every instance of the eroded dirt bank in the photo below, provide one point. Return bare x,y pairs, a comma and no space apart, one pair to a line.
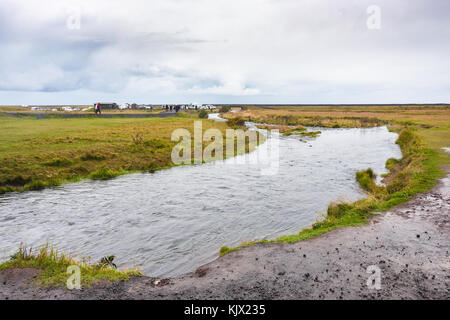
410,245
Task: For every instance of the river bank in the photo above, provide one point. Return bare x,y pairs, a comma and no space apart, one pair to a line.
414,173
408,243
38,154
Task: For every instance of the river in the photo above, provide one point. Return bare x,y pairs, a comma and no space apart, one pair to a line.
172,221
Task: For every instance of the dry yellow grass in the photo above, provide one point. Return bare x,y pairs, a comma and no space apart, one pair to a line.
429,115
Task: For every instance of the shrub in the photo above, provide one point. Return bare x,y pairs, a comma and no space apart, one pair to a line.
36,185
365,179
337,210
4,190
203,114
16,181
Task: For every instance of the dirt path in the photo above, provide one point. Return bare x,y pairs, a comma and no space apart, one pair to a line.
410,245
62,115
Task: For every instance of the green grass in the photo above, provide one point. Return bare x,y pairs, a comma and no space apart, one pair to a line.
366,180
32,154
37,154
224,109
59,162
53,266
224,250
203,114
88,156
301,131
40,185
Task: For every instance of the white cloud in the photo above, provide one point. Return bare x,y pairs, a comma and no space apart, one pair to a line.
256,50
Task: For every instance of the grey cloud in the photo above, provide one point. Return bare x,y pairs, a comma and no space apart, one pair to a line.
301,51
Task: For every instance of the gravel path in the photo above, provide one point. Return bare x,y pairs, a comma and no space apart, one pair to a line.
410,244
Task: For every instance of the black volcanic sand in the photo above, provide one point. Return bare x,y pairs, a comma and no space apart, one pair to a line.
410,244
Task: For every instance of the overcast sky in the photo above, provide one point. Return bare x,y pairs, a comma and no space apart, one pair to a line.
223,51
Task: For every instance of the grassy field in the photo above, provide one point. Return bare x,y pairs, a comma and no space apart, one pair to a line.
35,154
39,153
423,132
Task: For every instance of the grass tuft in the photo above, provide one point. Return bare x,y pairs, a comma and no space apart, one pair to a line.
237,122
53,266
224,109
203,114
89,156
337,210
224,250
36,154
366,180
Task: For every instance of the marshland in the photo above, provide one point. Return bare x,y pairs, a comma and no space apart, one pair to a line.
62,180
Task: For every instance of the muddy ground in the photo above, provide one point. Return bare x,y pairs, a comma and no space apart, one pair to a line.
410,244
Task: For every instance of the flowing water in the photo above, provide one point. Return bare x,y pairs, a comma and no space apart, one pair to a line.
172,221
